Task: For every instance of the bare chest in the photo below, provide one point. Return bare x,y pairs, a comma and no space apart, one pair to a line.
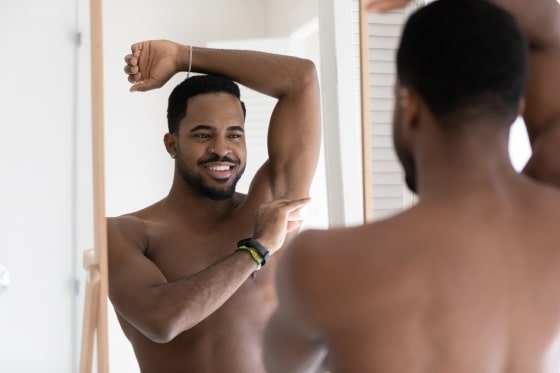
180,250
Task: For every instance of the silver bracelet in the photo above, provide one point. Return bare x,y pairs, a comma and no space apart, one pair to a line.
190,61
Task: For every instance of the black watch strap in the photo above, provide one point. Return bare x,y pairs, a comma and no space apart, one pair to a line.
254,244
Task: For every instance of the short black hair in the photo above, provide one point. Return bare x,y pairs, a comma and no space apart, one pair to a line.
464,56
193,86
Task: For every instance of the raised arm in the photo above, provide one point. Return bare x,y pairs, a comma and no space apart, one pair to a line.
294,134
540,21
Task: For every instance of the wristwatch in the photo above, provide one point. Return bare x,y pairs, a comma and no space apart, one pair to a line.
254,244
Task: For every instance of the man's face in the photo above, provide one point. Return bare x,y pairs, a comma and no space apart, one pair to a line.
404,153
211,150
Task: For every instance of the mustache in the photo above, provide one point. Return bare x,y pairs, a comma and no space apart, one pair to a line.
217,158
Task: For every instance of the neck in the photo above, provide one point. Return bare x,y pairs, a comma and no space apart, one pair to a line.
188,202
464,164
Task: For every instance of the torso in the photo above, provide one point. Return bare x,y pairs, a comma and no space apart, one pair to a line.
445,287
228,341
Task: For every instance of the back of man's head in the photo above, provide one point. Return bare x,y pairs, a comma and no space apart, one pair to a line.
464,57
193,86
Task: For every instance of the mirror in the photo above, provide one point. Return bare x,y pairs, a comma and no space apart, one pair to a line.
46,150
138,170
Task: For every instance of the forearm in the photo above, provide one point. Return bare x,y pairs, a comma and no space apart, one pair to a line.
163,311
272,74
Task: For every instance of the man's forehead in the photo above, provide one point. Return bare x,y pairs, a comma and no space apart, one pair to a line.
210,97
214,107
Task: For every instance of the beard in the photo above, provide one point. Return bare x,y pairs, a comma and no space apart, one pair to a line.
405,157
197,183
410,177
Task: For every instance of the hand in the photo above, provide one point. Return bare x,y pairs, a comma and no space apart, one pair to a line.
386,5
275,219
152,63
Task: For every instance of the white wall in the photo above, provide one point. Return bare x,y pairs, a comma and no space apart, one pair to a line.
288,15
36,191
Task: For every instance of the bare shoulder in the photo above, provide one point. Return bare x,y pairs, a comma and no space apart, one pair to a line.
336,242
124,233
322,265
126,225
133,226
341,249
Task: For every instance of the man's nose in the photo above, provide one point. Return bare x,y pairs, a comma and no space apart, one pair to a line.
219,147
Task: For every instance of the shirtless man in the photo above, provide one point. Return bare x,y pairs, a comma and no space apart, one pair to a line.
184,294
468,279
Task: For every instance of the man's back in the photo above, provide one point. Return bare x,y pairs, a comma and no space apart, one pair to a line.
466,280
463,285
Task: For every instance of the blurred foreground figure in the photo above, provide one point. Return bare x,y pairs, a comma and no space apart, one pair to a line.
467,279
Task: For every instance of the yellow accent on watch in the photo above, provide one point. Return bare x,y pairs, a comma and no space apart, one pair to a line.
254,254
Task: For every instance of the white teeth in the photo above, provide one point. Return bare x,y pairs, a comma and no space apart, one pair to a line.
219,168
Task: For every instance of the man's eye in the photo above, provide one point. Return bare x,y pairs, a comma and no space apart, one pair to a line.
202,135
235,136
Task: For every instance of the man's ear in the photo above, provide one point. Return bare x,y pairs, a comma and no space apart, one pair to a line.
411,105
521,107
170,141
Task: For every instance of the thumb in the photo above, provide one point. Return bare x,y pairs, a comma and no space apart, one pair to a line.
293,225
145,86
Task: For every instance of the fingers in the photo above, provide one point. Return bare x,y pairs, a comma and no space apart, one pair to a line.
385,5
132,68
292,205
288,209
292,226
275,219
137,47
142,86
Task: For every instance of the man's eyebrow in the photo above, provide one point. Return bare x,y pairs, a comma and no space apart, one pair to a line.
202,127
205,127
236,128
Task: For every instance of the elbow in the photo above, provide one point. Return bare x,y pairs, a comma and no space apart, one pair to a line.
160,329
307,74
160,336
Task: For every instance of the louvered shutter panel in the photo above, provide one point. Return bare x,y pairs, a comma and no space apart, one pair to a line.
386,192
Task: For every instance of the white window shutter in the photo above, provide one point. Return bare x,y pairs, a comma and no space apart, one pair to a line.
387,191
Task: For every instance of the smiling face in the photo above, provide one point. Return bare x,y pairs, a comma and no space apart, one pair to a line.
210,145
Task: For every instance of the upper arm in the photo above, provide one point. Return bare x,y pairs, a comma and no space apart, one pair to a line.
537,18
131,273
540,21
294,135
